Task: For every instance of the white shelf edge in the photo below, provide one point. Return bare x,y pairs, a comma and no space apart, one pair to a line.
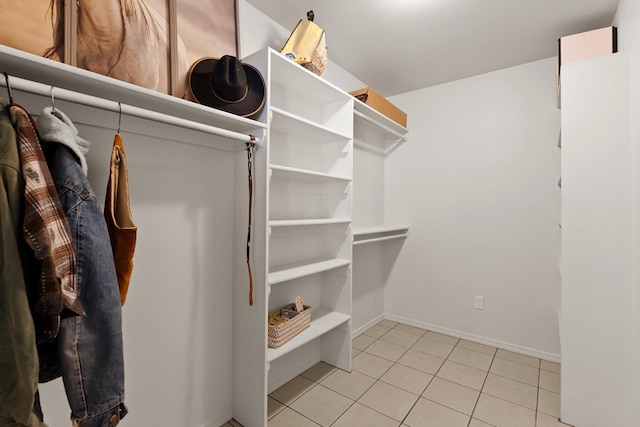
283,59
306,269
302,222
310,173
322,321
307,122
380,239
32,67
361,231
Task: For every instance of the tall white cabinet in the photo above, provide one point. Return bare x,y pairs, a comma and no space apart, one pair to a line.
600,316
302,246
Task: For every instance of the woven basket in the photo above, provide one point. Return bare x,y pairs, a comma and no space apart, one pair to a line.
280,334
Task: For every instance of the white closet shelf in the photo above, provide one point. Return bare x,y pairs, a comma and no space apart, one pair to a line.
307,174
322,321
298,270
301,83
303,222
283,121
366,113
372,234
56,74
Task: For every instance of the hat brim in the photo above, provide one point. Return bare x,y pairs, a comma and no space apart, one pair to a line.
198,81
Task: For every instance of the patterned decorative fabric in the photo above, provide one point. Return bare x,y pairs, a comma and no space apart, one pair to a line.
47,232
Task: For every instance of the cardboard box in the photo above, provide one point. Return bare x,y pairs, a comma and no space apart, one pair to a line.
380,103
589,44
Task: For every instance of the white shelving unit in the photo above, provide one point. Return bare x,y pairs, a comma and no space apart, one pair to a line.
375,242
303,242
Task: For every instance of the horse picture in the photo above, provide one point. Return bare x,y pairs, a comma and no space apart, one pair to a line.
128,40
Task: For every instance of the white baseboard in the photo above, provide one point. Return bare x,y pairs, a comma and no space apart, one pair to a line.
221,421
369,324
292,372
476,338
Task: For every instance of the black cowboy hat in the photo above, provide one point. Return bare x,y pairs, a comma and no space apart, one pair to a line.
228,85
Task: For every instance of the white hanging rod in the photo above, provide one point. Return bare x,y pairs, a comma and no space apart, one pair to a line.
380,239
104,104
380,125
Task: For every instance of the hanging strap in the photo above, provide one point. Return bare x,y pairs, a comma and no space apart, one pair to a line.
250,151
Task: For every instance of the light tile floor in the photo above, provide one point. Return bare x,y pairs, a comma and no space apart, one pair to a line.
404,376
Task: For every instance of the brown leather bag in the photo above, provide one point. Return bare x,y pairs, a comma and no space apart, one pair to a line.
117,212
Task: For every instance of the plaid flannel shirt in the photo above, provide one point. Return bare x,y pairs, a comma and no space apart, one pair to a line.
47,232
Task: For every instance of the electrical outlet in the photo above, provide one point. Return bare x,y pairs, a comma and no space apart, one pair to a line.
479,303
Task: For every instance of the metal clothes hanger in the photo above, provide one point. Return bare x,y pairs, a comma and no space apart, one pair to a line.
53,101
119,115
6,77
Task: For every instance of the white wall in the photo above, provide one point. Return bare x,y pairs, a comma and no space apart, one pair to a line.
627,19
477,184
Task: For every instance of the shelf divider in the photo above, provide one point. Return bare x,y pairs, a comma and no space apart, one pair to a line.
292,123
298,270
322,321
303,222
309,173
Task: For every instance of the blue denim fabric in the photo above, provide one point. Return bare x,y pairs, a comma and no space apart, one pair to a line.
88,352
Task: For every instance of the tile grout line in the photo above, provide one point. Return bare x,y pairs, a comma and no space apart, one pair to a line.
395,363
538,393
376,379
481,388
434,376
380,378
357,400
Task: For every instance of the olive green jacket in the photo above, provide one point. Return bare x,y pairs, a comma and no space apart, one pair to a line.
18,354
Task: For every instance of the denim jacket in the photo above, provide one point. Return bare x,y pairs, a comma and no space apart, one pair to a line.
88,352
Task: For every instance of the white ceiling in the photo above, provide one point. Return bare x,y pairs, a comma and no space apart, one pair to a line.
397,46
